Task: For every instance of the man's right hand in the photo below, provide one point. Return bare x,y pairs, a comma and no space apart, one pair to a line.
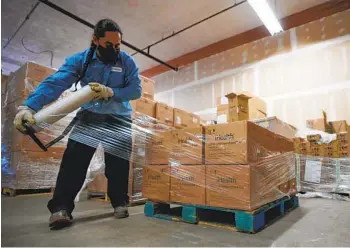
24,114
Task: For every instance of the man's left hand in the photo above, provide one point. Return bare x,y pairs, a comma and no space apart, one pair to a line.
101,91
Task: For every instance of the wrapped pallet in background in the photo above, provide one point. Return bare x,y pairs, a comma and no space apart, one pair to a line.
323,159
24,165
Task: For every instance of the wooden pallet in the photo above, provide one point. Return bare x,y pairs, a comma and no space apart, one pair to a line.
104,197
237,220
16,192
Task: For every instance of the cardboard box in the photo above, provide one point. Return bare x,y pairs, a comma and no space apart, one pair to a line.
136,181
284,187
257,108
238,107
343,154
275,125
195,120
187,184
148,86
98,185
314,137
138,156
30,170
343,138
4,79
144,106
300,146
25,80
156,182
158,148
183,119
246,187
165,114
244,106
338,126
15,141
187,146
293,185
241,143
318,124
228,186
100,182
222,113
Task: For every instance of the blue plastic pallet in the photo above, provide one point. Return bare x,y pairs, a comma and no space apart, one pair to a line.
238,220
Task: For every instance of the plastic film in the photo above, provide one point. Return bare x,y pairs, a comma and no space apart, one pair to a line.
324,175
239,165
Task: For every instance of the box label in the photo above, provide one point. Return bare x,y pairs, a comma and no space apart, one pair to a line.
313,171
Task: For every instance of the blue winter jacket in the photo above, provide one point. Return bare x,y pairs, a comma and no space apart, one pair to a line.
123,78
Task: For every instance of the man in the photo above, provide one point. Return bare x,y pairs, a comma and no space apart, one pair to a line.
113,76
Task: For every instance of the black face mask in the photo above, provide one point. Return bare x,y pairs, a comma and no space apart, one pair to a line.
108,55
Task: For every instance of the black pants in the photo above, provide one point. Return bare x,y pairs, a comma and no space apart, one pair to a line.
77,157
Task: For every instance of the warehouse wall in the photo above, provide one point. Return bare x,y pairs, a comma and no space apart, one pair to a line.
298,73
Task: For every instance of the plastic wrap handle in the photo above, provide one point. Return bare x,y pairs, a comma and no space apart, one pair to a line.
31,133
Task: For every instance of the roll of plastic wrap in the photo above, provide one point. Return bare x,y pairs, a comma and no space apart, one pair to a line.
61,108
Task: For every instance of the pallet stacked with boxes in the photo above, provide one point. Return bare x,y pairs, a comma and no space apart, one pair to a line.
239,165
24,164
322,158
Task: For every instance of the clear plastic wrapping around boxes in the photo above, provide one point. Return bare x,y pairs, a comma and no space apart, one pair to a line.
322,174
238,165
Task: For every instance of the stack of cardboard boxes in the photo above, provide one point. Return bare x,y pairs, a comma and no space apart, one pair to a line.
238,165
322,166
240,106
314,146
245,106
146,106
24,164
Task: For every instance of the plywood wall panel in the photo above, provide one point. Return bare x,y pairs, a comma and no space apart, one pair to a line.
297,86
324,29
195,98
209,66
184,75
218,85
340,105
337,63
165,98
337,24
270,79
164,82
229,84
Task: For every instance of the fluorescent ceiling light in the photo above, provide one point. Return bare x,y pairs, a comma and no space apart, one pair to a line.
266,15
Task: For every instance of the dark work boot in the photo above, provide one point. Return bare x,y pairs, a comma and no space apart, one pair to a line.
60,219
121,212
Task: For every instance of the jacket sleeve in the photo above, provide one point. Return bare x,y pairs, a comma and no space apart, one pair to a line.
133,87
54,85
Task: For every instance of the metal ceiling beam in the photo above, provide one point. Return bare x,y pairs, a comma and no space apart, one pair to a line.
86,23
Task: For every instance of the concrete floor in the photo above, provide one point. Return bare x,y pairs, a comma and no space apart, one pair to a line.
318,222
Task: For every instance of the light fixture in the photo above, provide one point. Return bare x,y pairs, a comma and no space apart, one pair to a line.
266,15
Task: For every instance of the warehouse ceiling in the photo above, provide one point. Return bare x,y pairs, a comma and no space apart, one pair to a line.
143,22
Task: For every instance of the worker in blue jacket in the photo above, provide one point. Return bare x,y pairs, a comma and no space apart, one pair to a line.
114,77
